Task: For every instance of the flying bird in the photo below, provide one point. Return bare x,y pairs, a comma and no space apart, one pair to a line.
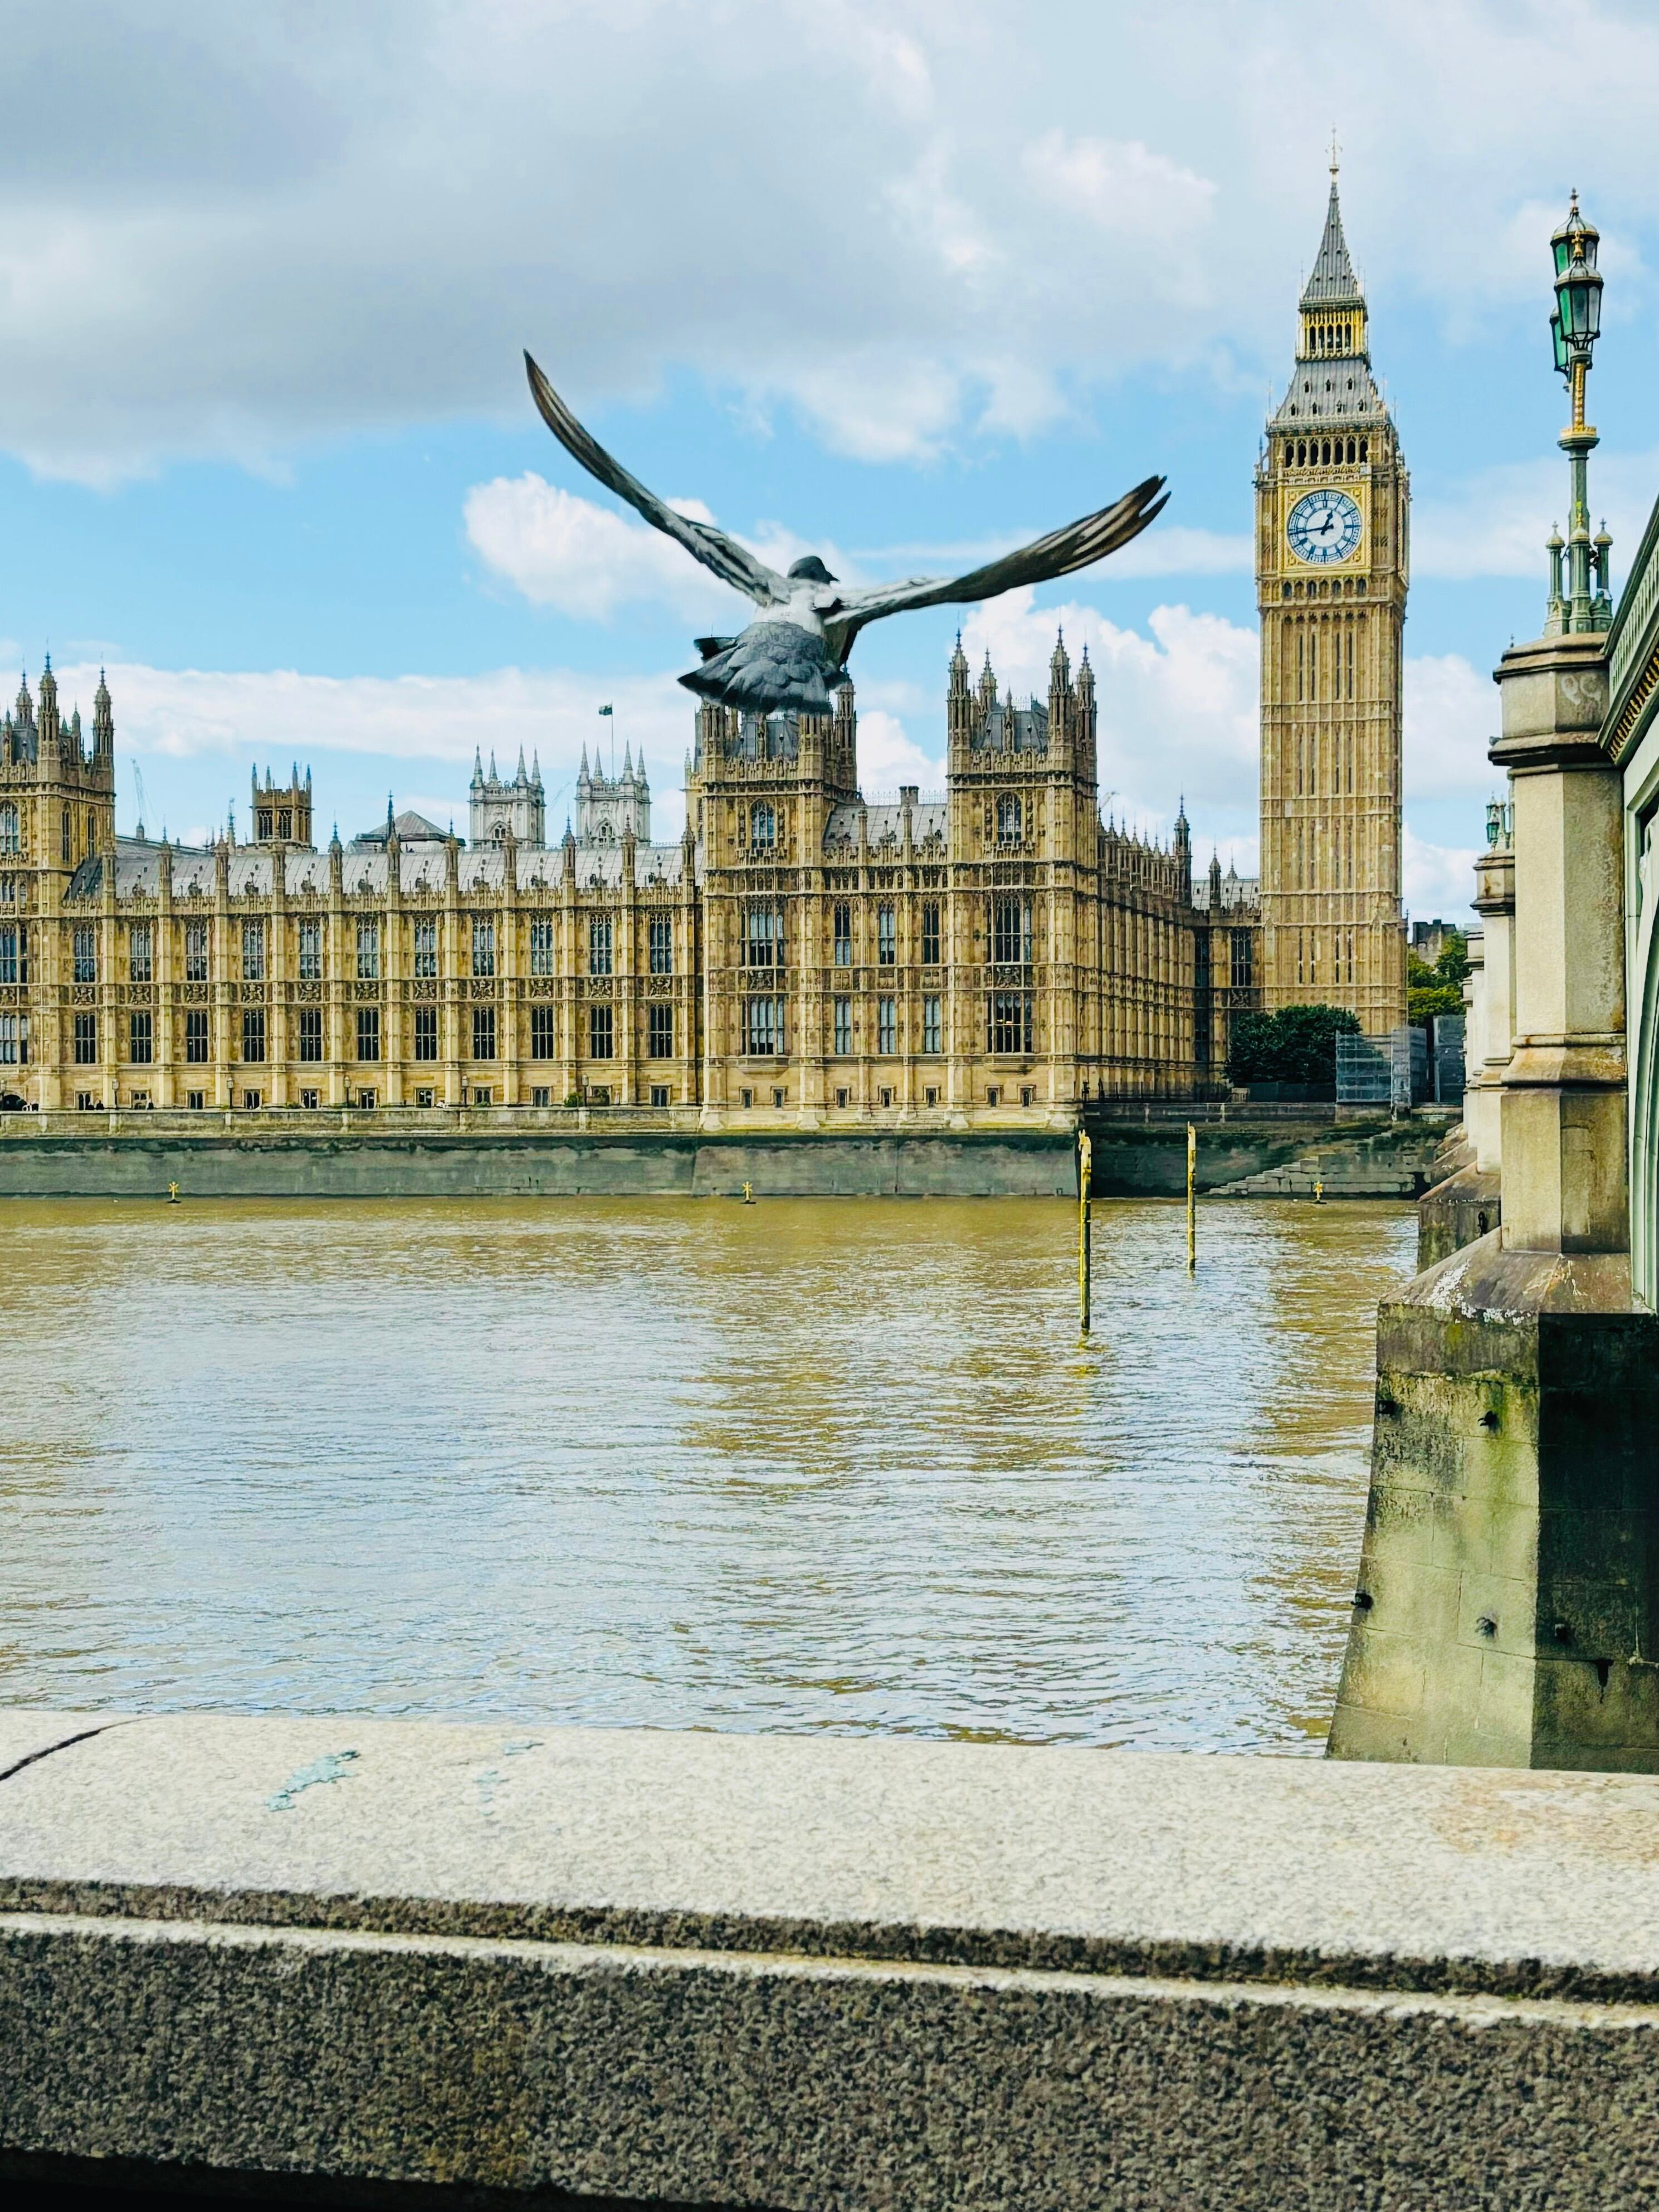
795,655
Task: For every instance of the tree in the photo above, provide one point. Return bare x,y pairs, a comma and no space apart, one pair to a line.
1296,1045
1437,990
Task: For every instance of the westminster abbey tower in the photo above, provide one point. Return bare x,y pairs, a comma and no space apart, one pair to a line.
1332,507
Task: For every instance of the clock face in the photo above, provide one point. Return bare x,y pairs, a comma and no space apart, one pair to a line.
1324,526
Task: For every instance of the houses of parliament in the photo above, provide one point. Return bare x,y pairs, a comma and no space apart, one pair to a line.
995,955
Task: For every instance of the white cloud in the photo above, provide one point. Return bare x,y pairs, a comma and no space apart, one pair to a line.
906,221
1450,715
566,552
184,727
1439,879
1496,523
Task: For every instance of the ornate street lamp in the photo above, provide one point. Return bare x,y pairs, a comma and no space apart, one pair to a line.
1577,603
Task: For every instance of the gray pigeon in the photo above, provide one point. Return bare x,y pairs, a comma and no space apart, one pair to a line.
795,655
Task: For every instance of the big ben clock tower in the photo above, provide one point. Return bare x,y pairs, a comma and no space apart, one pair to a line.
1332,506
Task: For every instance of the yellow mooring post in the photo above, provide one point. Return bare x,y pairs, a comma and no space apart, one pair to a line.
1192,1204
1085,1162
172,1194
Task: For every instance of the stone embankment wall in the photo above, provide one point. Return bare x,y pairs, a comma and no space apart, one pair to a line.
385,1156
312,1959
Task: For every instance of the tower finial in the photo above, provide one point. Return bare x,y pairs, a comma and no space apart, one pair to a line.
1335,154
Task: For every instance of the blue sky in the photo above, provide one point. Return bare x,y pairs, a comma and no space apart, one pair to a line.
902,283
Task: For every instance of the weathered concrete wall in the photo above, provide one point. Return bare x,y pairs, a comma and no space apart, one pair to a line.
401,1164
1508,1590
796,1974
1462,1206
246,1158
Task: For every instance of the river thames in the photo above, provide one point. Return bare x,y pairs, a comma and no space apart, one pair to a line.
801,1465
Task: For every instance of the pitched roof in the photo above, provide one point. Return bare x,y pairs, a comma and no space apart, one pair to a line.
1333,279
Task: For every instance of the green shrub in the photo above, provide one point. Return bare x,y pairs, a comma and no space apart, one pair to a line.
1296,1045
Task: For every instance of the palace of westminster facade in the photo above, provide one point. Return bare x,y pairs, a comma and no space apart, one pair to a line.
999,954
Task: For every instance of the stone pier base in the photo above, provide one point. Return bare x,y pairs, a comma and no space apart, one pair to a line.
1505,1613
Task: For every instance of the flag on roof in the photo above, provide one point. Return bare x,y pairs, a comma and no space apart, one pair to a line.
605,710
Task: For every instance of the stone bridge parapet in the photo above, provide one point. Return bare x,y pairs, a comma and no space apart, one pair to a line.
326,1956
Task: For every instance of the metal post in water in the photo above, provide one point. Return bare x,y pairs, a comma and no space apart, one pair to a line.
1084,1242
1192,1207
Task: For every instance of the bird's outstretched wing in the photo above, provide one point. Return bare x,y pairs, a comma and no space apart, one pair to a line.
1056,555
729,560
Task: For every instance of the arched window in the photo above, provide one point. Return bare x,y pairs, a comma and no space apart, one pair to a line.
10,837
763,826
1302,450
1364,449
1008,815
1289,452
65,837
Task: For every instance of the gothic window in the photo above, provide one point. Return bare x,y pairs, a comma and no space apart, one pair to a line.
932,1029
1011,932
1009,1024
14,953
141,1037
63,837
139,958
483,1032
253,1034
86,952
600,1032
10,836
843,936
311,949
426,945
843,1044
86,1040
14,1039
1313,664
1009,813
1301,862
368,958
311,1034
1364,449
1299,744
368,1032
253,953
886,936
544,1034
763,1027
1289,452
930,933
887,1026
763,939
1301,657
483,947
763,827
196,1036
660,1032
1244,961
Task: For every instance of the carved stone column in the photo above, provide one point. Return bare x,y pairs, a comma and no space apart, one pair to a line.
1508,1594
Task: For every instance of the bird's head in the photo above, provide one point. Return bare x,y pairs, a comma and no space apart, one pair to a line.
812,570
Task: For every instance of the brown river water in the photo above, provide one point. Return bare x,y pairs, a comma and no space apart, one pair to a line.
807,1464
